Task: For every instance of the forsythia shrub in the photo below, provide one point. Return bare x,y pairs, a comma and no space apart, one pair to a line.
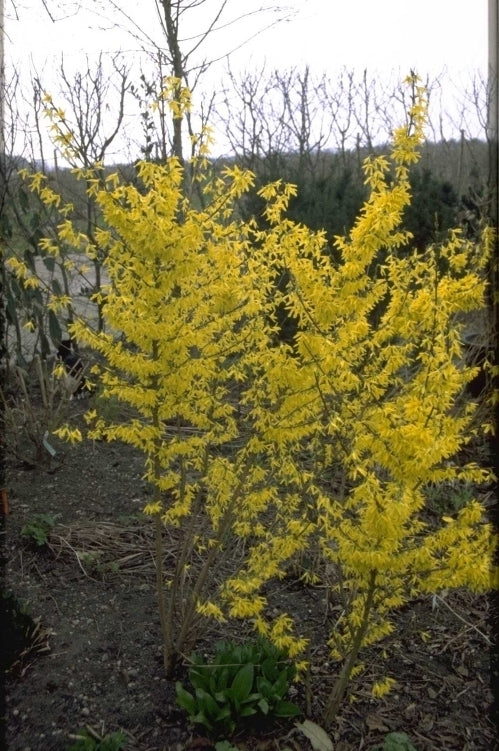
371,396
327,442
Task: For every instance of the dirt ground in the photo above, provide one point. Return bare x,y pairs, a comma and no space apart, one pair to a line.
93,657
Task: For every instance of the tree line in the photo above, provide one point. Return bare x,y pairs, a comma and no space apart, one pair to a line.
313,132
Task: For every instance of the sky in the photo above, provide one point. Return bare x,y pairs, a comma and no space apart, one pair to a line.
379,34
426,35
386,37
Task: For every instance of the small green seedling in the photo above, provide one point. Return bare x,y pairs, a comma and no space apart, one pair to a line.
38,528
89,740
395,742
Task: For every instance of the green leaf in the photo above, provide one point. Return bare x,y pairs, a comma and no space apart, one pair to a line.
236,655
49,262
243,682
199,678
270,670
185,699
201,719
113,741
225,746
222,697
54,327
247,711
286,709
219,679
263,706
264,687
23,198
398,742
281,685
224,714
207,703
11,304
252,699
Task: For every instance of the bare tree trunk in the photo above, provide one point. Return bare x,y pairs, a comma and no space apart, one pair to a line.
2,81
171,25
493,109
493,138
92,134
3,343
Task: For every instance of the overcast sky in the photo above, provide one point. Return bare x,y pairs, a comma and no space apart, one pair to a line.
379,34
386,37
385,34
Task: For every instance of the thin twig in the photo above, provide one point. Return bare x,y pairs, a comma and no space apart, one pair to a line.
470,625
76,554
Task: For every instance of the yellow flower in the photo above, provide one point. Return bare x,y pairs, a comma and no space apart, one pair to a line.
150,509
382,687
211,611
73,435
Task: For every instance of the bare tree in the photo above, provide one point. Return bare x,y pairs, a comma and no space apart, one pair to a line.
91,122
97,103
338,97
186,26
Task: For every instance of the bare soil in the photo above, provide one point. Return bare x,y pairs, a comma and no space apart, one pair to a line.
92,655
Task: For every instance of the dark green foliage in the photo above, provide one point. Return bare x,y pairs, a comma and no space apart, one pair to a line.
329,192
242,681
329,195
330,201
433,208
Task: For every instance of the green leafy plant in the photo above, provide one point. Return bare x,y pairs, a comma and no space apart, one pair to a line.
242,681
38,528
89,740
395,742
